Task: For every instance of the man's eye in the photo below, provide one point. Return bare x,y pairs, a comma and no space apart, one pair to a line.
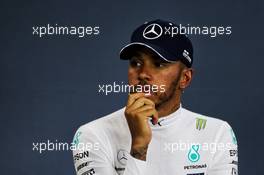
159,65
135,63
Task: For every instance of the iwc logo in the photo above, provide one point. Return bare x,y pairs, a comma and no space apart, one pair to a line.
152,31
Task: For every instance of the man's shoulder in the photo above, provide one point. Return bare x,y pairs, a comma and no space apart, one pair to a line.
107,125
207,128
202,121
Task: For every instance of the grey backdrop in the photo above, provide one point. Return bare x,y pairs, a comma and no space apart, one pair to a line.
49,85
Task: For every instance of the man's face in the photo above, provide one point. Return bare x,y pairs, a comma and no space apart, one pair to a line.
146,68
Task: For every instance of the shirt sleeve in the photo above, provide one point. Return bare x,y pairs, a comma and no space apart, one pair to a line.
225,160
92,156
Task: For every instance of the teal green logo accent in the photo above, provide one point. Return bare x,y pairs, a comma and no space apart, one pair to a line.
233,136
193,154
200,123
76,138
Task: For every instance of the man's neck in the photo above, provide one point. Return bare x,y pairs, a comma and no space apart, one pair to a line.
167,109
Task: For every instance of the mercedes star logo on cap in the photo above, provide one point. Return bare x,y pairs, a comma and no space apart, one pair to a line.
152,31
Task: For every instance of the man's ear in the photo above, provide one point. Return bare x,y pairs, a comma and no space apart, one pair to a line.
186,77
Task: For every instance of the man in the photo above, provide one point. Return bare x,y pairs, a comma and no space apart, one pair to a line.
153,134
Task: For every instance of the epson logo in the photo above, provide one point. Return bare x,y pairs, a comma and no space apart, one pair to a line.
79,156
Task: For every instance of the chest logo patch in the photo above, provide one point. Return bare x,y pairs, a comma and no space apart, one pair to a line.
193,154
200,123
76,138
122,156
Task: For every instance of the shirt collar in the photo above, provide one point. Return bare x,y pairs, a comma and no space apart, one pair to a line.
167,120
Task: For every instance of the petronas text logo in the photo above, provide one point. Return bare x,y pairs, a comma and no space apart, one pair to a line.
200,123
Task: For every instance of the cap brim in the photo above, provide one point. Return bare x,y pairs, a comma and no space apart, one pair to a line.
127,51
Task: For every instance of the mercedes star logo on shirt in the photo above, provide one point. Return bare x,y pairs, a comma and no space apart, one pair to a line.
122,156
152,31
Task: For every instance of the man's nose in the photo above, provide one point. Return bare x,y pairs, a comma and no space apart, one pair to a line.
145,74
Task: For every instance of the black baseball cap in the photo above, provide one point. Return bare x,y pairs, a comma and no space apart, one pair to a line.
162,37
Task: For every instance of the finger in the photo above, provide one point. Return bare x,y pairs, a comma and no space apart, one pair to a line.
134,97
148,113
141,102
155,118
143,108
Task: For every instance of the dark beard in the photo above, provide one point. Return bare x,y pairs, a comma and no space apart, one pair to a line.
168,94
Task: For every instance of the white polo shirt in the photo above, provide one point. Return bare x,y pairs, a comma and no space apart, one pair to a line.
183,143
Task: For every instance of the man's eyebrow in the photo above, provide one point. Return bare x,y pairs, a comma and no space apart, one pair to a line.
136,55
158,59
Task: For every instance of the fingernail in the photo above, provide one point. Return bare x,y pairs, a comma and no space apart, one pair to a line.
156,121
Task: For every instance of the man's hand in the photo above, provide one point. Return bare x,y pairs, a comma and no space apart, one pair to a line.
138,110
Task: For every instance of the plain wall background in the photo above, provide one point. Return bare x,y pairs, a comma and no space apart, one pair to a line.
49,85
